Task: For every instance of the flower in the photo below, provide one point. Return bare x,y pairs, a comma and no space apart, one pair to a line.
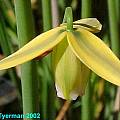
74,54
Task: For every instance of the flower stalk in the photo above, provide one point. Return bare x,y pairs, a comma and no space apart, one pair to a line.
47,17
25,30
47,25
68,18
87,98
113,10
114,31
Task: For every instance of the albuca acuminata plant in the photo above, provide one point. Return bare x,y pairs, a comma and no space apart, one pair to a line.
75,51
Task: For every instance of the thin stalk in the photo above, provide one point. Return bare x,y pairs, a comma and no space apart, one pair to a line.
87,106
47,15
114,31
47,25
86,8
25,30
44,96
118,8
113,10
7,50
87,110
68,18
63,110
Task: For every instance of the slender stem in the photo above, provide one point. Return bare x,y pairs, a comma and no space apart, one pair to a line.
47,25
86,8
47,17
118,8
113,10
25,29
87,105
87,110
63,110
114,31
68,18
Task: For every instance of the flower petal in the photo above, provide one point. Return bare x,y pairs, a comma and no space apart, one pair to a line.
58,52
34,48
90,24
71,75
95,54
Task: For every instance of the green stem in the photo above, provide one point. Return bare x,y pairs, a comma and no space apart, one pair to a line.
114,31
87,110
86,8
25,30
113,10
118,8
87,105
47,25
47,17
68,18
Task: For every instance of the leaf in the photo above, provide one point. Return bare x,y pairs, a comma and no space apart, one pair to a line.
34,48
95,54
71,75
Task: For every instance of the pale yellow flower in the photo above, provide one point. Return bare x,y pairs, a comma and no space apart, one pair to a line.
74,54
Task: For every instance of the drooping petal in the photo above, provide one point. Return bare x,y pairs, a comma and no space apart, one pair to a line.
34,48
95,54
58,52
71,75
90,24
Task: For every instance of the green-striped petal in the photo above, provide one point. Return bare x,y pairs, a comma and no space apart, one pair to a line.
70,74
34,48
95,54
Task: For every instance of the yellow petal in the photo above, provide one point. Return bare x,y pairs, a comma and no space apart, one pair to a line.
95,54
34,48
90,24
58,51
71,75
